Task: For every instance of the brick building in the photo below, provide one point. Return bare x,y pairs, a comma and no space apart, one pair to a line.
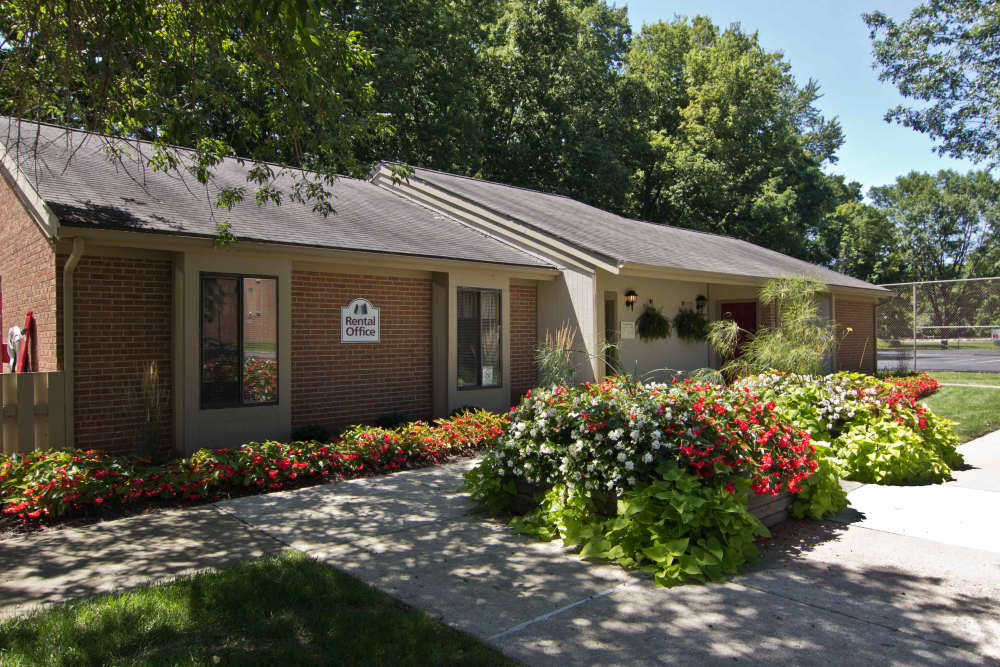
413,298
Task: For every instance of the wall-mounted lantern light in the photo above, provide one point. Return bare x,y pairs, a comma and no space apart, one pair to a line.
699,303
630,297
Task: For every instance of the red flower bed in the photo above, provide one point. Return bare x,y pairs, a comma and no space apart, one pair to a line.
50,484
917,386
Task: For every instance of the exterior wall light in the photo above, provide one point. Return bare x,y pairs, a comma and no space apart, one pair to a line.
699,303
630,297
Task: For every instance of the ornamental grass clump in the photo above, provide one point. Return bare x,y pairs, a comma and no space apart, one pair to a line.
601,459
554,358
45,485
875,431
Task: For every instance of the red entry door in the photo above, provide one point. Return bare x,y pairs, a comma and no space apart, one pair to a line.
744,313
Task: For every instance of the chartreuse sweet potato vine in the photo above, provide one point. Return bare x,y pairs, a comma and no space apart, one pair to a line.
875,430
647,475
675,526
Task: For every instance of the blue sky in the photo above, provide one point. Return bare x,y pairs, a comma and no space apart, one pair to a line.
826,40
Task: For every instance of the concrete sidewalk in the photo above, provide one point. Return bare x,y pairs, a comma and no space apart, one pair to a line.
900,585
824,593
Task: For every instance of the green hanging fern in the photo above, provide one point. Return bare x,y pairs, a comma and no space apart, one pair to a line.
690,325
652,325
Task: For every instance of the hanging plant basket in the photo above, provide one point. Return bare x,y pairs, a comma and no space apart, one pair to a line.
652,325
691,326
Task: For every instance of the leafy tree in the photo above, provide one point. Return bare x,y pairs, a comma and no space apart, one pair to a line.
276,81
948,225
552,99
946,54
427,77
733,144
867,245
944,221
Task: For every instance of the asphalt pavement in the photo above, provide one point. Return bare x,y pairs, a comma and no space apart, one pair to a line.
960,360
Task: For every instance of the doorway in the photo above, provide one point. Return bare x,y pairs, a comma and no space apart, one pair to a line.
744,313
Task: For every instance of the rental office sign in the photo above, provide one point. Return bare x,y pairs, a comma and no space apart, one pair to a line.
359,322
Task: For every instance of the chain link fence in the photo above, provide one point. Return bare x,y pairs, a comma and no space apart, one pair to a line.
940,325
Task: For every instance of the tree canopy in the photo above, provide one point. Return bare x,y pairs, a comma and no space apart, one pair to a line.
946,226
947,223
684,123
275,81
945,54
730,142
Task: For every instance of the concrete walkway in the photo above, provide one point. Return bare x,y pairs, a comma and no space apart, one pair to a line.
915,579
58,565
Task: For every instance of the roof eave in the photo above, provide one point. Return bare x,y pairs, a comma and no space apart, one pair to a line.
43,216
493,222
180,241
666,272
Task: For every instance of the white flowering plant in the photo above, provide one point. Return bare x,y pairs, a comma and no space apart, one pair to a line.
610,436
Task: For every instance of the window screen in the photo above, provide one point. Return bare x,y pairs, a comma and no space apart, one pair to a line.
479,338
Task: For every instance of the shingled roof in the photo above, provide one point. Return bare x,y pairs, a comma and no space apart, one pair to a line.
73,173
622,240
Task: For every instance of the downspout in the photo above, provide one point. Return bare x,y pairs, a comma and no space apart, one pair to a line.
74,259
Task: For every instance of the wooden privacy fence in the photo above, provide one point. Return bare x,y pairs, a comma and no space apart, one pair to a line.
34,411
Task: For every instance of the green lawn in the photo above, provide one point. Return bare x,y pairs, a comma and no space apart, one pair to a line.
947,377
286,610
975,411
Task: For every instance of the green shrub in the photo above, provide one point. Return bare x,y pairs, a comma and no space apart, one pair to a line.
43,485
610,436
799,343
853,411
646,475
938,432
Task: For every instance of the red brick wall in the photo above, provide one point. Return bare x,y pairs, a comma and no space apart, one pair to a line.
523,340
122,321
336,383
27,278
857,350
